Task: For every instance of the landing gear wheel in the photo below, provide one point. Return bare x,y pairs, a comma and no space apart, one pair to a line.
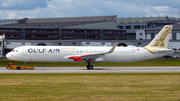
90,67
18,68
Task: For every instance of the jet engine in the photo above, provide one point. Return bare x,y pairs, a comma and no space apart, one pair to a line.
75,58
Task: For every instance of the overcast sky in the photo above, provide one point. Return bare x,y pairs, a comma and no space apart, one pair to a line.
15,9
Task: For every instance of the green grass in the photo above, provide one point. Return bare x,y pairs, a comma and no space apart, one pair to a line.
153,62
90,87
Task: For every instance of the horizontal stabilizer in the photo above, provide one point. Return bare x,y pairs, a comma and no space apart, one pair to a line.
170,51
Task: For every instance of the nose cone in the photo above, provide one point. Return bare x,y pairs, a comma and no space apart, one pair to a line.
8,55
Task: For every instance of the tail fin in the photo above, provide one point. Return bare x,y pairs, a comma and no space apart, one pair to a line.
162,38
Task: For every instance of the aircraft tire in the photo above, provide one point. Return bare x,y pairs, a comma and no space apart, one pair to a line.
18,67
90,67
87,66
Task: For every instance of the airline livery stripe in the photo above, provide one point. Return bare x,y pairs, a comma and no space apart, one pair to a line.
149,50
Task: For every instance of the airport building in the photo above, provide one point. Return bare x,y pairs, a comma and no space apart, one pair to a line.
8,21
83,31
144,29
140,24
1,44
61,31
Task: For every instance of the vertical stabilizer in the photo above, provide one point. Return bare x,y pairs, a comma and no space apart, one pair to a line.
162,38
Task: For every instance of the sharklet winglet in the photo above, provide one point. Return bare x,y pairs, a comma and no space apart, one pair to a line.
112,49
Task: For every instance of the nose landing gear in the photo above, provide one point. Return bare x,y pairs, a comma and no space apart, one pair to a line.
25,63
89,66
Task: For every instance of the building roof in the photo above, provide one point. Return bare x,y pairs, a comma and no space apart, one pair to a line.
61,22
144,19
71,19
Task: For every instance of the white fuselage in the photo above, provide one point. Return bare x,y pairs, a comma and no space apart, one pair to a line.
61,53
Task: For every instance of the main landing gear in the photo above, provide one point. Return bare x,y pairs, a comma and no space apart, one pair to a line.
89,66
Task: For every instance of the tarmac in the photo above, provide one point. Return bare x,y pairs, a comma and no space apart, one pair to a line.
142,69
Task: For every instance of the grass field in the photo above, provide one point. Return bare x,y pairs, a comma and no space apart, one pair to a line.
153,62
90,87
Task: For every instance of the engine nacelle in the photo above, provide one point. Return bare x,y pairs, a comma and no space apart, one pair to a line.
75,58
100,60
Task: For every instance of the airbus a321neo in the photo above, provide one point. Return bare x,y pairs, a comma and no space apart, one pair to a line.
156,48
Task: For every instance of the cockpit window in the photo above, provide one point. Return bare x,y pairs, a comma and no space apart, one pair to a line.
14,51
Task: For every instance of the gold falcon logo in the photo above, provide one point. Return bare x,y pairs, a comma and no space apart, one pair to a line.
160,42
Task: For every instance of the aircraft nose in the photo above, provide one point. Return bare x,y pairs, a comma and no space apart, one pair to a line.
11,56
8,55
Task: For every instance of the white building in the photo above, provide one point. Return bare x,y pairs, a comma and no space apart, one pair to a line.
1,44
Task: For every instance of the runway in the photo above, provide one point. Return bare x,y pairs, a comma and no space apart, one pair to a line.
96,70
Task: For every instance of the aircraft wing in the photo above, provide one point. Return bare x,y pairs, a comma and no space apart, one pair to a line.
91,56
110,51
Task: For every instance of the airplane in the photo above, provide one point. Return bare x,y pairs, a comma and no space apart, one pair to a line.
93,54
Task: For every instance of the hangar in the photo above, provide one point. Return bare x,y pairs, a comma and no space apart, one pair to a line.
61,31
82,31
